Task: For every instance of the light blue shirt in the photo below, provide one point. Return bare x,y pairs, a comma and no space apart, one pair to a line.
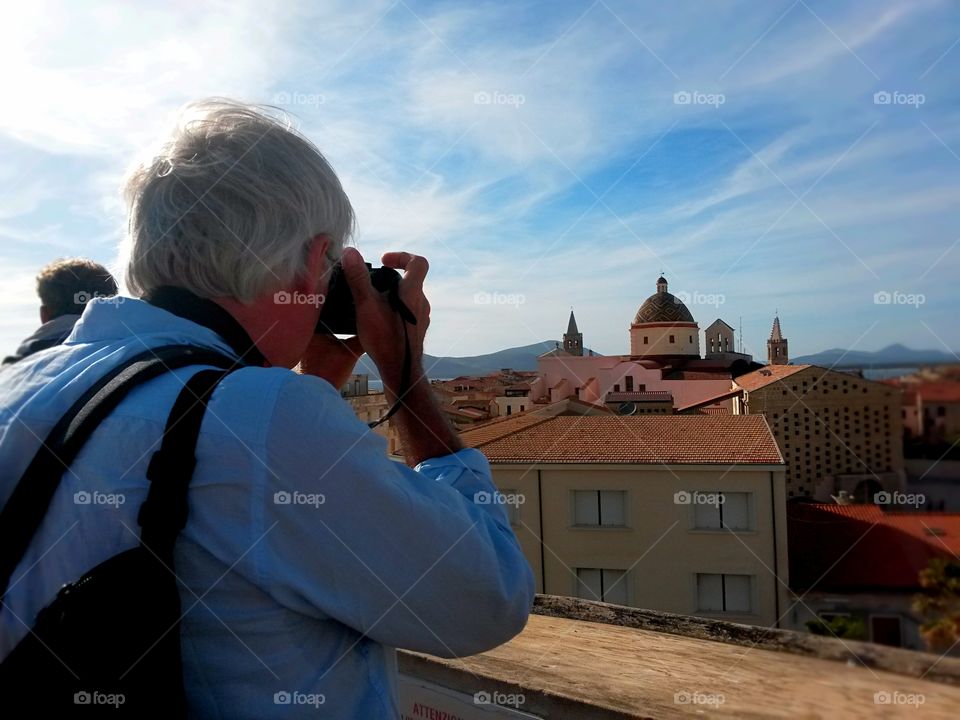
308,555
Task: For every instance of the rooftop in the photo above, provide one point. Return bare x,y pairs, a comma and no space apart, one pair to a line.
579,659
836,547
736,392
671,439
766,375
943,391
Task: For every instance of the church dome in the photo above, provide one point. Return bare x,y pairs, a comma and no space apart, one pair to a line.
663,307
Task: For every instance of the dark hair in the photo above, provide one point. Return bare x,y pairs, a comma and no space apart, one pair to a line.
66,285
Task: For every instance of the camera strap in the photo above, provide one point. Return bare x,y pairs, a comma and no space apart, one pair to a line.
408,317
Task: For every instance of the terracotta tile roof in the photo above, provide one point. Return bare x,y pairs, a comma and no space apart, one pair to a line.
681,439
499,427
769,374
847,548
939,392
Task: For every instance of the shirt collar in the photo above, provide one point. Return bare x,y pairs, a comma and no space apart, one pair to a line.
185,304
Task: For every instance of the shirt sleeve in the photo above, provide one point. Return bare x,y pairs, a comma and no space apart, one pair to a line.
412,558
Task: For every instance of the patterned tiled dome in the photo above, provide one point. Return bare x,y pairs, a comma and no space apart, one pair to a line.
662,307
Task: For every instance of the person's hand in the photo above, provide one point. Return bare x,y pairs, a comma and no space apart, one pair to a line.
379,327
331,358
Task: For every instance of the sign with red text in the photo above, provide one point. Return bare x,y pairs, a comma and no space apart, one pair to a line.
422,700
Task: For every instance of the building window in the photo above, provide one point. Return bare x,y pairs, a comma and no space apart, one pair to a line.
602,584
616,387
671,340
600,508
724,593
521,408
646,340
629,381
733,511
512,505
691,339
509,409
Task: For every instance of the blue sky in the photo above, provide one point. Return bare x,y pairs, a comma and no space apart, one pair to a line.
540,154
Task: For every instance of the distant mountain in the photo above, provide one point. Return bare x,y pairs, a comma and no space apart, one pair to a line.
894,355
518,358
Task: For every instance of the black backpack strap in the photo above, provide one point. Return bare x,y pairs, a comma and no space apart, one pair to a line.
164,513
24,511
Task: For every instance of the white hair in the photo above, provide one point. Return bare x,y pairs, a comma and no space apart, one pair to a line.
229,205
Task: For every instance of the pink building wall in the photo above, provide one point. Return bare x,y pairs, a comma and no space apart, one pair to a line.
598,374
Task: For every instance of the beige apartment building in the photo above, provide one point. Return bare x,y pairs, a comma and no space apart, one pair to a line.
370,407
836,431
681,513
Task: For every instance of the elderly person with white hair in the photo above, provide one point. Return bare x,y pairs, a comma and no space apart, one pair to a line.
282,600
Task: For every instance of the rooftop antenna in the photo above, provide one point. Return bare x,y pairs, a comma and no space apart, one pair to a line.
740,335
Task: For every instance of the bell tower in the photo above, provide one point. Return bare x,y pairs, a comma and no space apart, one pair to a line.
573,338
777,345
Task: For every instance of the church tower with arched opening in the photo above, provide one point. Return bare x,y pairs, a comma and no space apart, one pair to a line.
777,345
573,338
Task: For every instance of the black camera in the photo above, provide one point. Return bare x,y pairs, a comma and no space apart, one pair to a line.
339,314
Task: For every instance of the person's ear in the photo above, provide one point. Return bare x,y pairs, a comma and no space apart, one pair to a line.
46,314
316,264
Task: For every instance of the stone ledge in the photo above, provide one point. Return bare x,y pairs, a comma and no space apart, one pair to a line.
896,660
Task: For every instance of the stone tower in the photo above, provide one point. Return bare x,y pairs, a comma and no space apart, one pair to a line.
572,338
777,345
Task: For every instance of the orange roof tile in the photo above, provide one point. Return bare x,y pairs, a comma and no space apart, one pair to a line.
939,392
680,439
765,376
862,547
499,427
